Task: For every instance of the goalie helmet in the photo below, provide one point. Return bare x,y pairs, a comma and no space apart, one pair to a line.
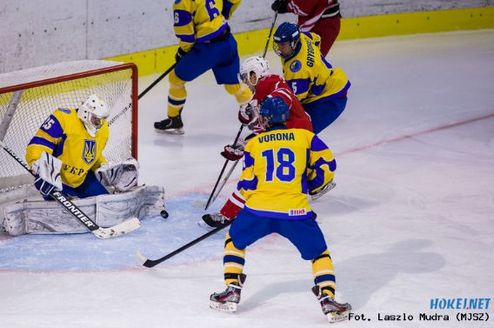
252,69
286,39
274,110
93,113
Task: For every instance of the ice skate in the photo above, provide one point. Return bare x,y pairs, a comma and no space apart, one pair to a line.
227,300
333,310
170,125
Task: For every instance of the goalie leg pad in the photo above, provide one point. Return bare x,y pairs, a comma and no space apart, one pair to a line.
39,216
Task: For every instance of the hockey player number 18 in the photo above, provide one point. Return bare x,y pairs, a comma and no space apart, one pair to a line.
285,170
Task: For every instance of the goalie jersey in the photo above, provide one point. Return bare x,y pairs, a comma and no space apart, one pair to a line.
64,136
201,20
309,75
280,167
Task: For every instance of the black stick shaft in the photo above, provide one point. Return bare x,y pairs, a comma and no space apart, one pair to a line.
58,196
269,36
151,263
161,77
222,170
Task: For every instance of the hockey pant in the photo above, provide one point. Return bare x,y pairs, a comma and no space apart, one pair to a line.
305,236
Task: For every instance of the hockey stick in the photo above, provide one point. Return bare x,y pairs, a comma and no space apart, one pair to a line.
225,179
161,77
270,33
151,263
103,233
223,169
238,135
129,106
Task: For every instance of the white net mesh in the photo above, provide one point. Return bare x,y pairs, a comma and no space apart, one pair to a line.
28,97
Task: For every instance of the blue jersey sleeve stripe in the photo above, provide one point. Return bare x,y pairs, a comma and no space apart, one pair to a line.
299,85
227,6
317,144
248,160
341,93
317,89
54,129
182,17
328,64
190,38
321,161
42,142
248,184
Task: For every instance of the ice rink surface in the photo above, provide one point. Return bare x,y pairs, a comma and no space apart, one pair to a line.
411,218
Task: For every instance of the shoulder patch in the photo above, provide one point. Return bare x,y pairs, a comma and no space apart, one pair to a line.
178,1
295,66
64,110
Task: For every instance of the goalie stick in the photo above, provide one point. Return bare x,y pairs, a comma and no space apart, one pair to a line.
102,233
151,263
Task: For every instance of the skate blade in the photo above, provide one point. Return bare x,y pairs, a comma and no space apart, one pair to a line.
228,307
337,317
178,131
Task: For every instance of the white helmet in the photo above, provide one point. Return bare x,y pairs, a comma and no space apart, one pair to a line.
257,65
92,113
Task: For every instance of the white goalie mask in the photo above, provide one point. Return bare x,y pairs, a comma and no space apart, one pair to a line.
252,69
93,113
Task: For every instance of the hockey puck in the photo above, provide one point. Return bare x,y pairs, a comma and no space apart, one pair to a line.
164,214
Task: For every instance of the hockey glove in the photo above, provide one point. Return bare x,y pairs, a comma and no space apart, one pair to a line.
180,54
321,192
280,6
44,187
233,152
248,115
47,173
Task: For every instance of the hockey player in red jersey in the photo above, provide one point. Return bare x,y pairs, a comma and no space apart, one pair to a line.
254,72
318,16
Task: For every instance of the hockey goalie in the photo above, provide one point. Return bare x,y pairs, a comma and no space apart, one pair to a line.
66,154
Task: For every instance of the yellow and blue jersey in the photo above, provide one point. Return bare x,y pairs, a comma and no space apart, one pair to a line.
309,75
280,167
201,20
64,136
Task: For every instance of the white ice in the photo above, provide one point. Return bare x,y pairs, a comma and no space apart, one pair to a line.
411,218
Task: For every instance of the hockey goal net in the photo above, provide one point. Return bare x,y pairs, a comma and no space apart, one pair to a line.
29,96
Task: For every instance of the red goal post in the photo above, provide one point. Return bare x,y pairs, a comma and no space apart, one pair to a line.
28,97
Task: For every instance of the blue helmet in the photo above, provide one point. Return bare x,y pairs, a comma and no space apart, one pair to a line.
286,32
274,110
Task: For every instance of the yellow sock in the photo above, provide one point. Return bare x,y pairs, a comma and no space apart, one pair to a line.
323,272
233,261
176,95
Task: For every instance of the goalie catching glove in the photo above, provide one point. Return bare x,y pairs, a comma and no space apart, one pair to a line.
121,176
47,174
